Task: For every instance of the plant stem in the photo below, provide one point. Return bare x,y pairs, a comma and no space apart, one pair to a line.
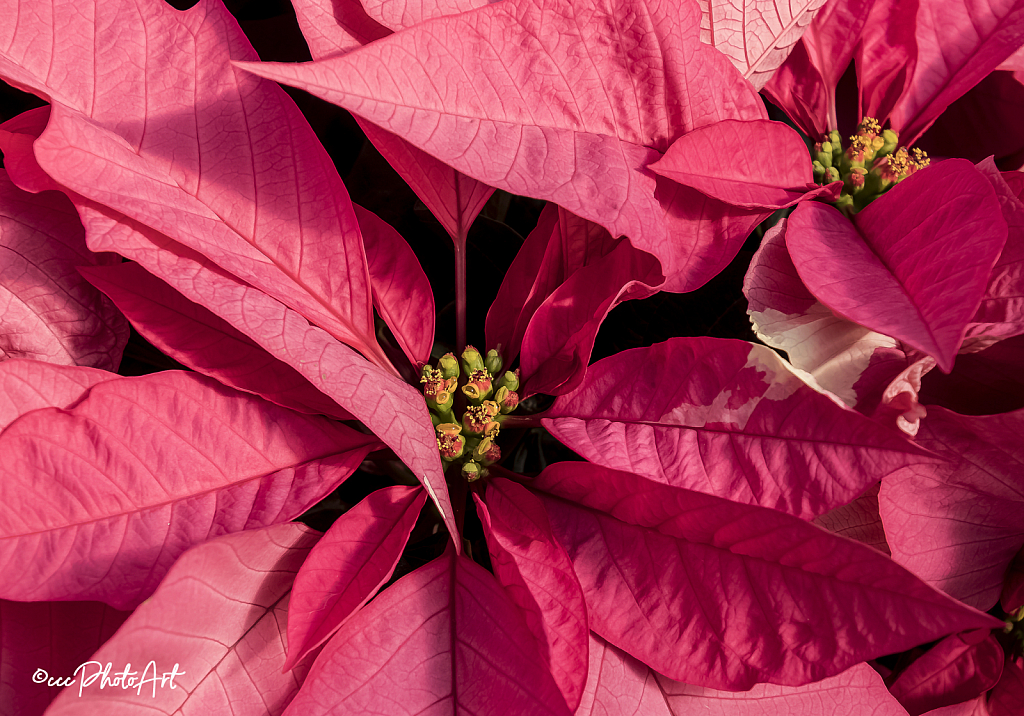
460,295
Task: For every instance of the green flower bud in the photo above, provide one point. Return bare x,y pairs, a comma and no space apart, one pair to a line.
487,452
824,157
472,472
479,387
480,419
832,174
450,446
510,403
890,141
510,380
493,362
449,366
471,360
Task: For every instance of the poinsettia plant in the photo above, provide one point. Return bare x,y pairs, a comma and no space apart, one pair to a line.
685,522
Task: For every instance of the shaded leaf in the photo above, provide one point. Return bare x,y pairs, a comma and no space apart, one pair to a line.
27,385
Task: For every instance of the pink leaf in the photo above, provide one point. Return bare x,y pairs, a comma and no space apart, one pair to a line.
749,586
16,138
355,558
771,170
858,520
401,291
54,637
1007,698
47,310
914,263
219,615
498,122
536,572
393,410
798,88
260,198
958,43
452,197
460,648
622,685
1012,597
198,338
105,495
757,37
786,316
957,669
401,14
957,523
886,57
727,418
27,385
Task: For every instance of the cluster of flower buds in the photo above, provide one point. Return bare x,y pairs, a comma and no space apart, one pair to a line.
871,164
469,438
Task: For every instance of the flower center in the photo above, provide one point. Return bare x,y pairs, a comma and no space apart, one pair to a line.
469,437
871,164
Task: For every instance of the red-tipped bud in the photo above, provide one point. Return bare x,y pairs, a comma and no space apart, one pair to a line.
493,362
479,388
450,446
471,360
510,380
487,452
479,419
472,472
449,366
507,400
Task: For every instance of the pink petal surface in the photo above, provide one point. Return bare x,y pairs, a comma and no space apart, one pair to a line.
798,89
914,264
355,558
1007,698
401,291
220,615
104,496
958,43
1012,597
198,338
538,576
786,316
47,310
959,668
52,636
974,707
771,171
27,385
900,405
498,121
401,14
750,586
560,245
260,198
460,648
756,36
16,138
858,520
886,57
957,523
454,198
392,409
727,418
621,685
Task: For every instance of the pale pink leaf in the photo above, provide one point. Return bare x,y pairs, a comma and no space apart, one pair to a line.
756,36
356,556
957,523
219,616
27,385
47,640
727,418
622,686
959,668
47,310
392,409
535,570
958,43
260,198
899,405
16,138
460,648
196,337
454,198
771,170
544,130
858,520
104,496
786,316
913,265
719,594
402,14
401,291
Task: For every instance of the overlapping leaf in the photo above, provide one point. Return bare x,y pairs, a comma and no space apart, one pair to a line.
727,418
536,571
957,524
602,91
47,310
356,556
103,497
914,264
460,648
27,385
719,594
219,615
